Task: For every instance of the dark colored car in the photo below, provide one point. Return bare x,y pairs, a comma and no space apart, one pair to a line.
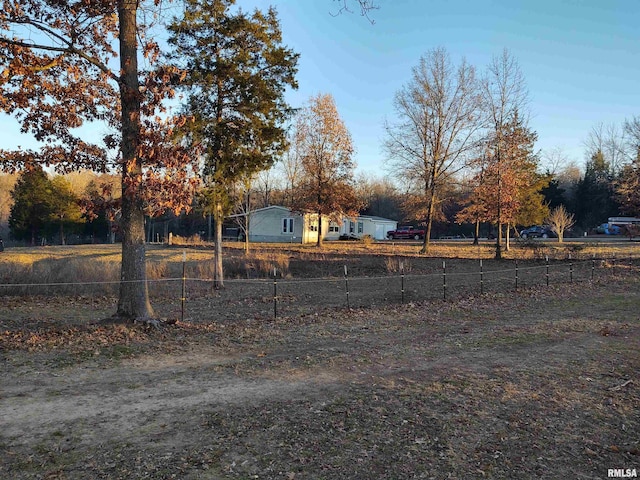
537,231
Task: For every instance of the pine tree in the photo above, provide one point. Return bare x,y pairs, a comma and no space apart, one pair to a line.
64,204
627,188
31,208
594,193
238,72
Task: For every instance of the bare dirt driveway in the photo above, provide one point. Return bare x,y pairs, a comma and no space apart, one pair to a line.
542,384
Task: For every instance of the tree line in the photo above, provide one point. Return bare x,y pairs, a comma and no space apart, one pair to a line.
195,121
38,208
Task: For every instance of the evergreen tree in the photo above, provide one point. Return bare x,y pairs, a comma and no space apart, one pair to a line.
627,188
553,193
594,193
237,74
532,207
31,210
627,185
64,205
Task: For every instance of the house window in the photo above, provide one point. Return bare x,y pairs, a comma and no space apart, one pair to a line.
313,227
360,227
334,227
287,225
352,227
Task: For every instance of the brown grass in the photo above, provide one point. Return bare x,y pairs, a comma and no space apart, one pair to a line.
101,263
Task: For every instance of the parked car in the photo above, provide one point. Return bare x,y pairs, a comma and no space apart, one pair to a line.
608,229
406,232
537,231
348,236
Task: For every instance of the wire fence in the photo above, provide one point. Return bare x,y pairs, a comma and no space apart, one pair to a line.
195,299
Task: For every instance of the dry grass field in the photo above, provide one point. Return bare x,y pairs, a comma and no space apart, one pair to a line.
540,382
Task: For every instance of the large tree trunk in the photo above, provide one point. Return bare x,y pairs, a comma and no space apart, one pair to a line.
133,302
319,243
247,219
218,273
62,242
507,238
476,233
430,210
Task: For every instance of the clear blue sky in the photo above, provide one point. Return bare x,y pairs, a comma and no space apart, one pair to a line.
580,59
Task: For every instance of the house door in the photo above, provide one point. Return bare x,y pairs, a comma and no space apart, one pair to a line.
379,232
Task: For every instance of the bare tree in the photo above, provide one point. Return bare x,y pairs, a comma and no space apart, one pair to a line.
438,114
610,141
378,196
365,7
560,221
554,160
632,131
291,167
242,196
264,184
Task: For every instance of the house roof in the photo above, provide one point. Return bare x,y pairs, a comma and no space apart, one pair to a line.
290,212
270,207
379,219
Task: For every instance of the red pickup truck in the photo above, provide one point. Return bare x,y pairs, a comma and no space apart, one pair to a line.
406,232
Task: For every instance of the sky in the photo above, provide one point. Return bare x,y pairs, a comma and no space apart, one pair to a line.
580,60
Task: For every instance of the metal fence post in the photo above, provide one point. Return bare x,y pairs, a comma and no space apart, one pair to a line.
547,261
444,280
184,284
613,270
481,279
516,275
402,281
275,293
570,269
593,265
346,285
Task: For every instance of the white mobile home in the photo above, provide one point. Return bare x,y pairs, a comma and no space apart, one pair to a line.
358,227
277,224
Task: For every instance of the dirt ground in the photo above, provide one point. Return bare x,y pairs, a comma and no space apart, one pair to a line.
539,384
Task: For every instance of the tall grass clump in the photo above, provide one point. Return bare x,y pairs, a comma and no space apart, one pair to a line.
252,265
54,276
187,241
397,265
